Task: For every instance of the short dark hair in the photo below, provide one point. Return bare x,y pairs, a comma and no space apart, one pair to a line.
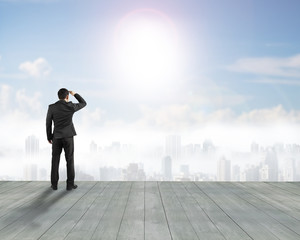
62,93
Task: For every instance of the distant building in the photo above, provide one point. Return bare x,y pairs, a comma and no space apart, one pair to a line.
116,146
203,177
110,174
188,151
173,147
297,169
254,147
264,173
167,168
93,147
43,174
184,174
185,170
224,170
133,173
271,162
250,174
208,146
235,175
289,171
30,172
197,149
32,148
279,148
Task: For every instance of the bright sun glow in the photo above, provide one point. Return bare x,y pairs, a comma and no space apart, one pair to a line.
146,44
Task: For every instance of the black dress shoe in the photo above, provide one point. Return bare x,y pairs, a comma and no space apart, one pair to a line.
71,187
54,187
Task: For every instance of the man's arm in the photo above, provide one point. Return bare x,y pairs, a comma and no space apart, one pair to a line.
49,125
82,102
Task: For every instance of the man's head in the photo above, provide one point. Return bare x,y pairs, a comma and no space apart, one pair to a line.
63,94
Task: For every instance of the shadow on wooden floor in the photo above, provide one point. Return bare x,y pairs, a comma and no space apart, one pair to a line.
39,206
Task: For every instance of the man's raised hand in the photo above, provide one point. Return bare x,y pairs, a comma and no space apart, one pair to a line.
72,93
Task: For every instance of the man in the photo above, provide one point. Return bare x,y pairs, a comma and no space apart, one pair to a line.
61,113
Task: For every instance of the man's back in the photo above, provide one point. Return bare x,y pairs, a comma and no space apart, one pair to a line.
61,114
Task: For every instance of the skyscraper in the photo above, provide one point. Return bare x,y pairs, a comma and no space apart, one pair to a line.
32,148
30,172
173,147
236,171
32,153
167,168
254,147
93,147
289,173
224,169
185,170
208,146
272,162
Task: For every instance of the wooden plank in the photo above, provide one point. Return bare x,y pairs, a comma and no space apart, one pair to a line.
13,193
201,223
238,211
156,226
278,198
289,186
109,224
12,215
87,225
264,206
225,224
12,200
255,222
150,210
2,182
37,220
61,228
179,224
10,186
132,225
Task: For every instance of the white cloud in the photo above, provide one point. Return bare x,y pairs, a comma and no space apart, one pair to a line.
5,91
38,68
20,116
91,117
219,100
28,103
14,76
275,115
184,118
268,66
24,115
18,103
283,81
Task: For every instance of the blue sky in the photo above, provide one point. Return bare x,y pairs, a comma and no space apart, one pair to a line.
238,62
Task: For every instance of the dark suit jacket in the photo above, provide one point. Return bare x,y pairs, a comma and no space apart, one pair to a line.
61,113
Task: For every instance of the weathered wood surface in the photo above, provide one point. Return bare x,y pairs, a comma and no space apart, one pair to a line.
150,210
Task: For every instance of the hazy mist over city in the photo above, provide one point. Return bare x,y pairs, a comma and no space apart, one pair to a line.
175,90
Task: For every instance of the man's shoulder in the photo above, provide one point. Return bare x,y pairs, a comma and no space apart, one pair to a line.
53,105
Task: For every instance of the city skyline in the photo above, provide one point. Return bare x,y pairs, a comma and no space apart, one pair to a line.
197,162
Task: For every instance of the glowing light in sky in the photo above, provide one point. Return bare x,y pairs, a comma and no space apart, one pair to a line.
147,49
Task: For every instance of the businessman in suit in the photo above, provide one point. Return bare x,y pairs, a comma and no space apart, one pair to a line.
61,114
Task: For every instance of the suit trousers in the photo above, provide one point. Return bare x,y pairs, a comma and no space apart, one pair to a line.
68,145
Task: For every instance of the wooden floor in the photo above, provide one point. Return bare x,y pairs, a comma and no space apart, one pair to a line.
150,210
